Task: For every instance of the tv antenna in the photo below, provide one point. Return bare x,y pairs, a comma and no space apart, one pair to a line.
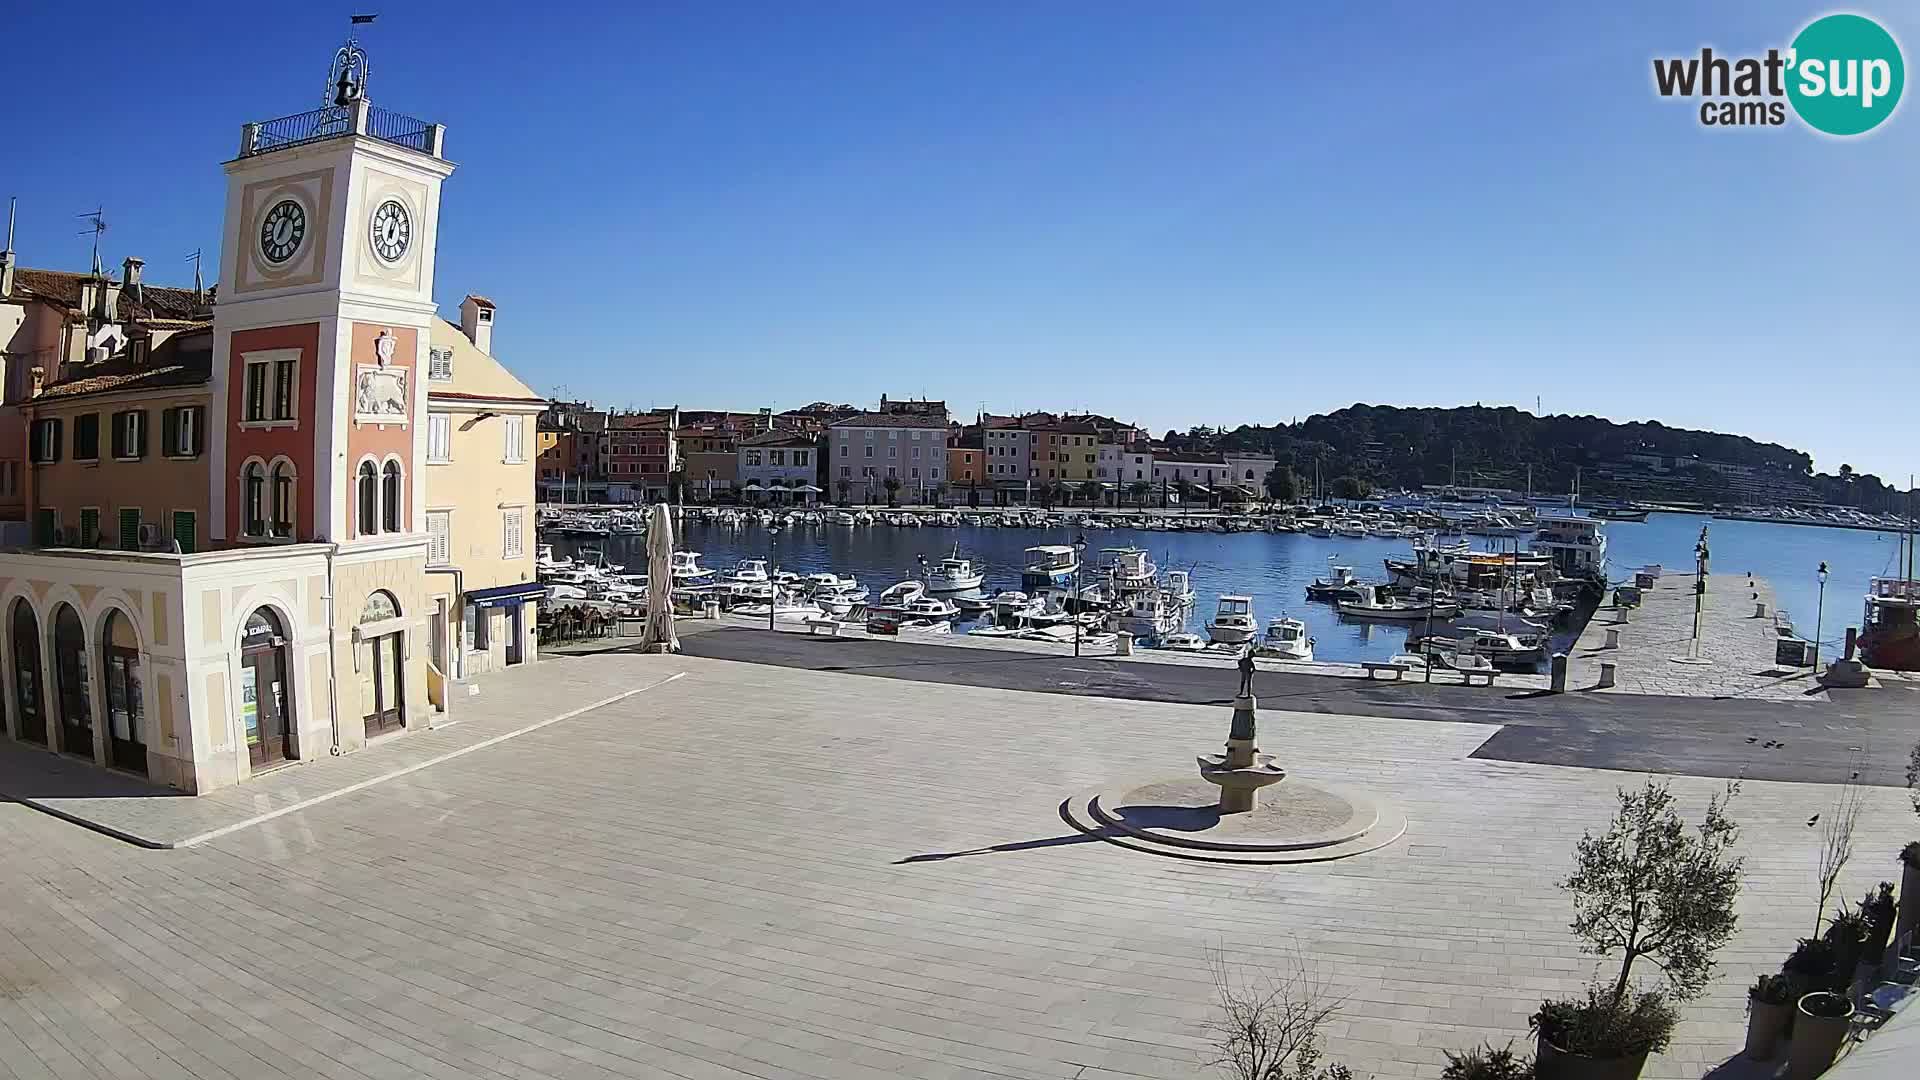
194,258
96,224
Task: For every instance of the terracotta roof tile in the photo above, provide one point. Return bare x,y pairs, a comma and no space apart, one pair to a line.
185,359
899,420
63,288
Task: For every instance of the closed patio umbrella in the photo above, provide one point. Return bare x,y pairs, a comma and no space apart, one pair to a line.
660,636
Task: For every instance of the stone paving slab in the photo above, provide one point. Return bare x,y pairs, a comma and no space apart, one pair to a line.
509,704
769,872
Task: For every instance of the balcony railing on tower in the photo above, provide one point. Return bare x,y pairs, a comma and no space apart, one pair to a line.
337,121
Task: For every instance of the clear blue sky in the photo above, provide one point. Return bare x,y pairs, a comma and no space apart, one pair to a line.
1211,213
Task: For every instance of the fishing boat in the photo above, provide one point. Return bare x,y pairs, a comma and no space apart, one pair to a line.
1287,639
1338,584
1233,622
953,574
1049,566
1890,633
1375,602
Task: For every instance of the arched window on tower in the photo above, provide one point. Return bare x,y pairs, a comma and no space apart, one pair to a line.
390,497
253,483
368,519
283,500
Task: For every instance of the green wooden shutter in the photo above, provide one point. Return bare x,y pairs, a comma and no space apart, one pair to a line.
44,522
89,527
183,530
169,431
129,528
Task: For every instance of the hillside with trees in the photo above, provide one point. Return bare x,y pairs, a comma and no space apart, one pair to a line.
1389,447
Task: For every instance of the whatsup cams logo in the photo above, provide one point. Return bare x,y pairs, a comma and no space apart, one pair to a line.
1842,75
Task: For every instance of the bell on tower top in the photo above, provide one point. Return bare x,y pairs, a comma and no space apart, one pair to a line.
347,78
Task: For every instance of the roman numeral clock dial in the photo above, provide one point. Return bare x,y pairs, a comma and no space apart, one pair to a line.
282,230
392,231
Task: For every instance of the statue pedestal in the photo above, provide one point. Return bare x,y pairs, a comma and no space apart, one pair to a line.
1243,770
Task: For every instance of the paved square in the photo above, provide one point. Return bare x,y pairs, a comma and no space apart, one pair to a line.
760,871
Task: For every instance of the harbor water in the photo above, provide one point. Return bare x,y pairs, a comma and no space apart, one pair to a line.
1275,568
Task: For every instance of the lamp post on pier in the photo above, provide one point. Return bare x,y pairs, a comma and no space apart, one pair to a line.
1819,618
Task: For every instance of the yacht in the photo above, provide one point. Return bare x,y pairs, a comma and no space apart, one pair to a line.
1287,639
1375,602
687,570
1233,621
953,574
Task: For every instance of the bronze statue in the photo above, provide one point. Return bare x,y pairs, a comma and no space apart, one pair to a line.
1246,671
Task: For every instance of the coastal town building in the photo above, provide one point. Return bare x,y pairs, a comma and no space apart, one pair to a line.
1118,467
779,467
900,449
967,467
238,561
1248,470
1202,472
641,454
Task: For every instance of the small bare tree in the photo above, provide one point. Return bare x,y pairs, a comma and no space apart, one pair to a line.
1913,777
1836,845
1268,1027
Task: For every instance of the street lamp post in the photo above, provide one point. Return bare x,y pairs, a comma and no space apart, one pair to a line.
1079,551
773,589
1819,617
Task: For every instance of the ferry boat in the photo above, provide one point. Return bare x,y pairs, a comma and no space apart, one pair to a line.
1889,632
1575,545
1287,639
1233,622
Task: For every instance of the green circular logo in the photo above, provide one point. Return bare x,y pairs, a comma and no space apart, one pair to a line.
1846,74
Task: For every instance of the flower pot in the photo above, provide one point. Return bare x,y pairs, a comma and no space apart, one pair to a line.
1554,1063
1766,1026
1817,1037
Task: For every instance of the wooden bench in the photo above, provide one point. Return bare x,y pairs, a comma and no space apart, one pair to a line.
1485,673
1374,668
817,623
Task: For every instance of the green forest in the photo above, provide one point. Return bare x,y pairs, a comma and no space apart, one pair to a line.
1392,448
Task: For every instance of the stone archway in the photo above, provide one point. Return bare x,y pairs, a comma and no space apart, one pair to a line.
28,708
266,692
126,708
72,702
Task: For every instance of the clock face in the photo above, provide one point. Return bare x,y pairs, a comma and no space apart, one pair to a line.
392,230
282,230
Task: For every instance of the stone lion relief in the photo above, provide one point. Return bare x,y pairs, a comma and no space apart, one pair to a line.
381,394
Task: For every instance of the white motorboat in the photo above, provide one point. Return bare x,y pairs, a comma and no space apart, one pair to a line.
1376,603
929,607
784,607
841,517
953,574
687,570
1148,614
1498,648
1287,639
1184,643
750,572
1233,622
902,594
972,603
1048,566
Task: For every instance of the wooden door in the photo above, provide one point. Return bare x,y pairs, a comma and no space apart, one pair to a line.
264,704
388,707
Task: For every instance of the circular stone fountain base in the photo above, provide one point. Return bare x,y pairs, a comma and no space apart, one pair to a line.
1296,821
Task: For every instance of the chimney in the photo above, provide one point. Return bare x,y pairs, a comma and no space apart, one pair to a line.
6,257
130,278
476,321
766,418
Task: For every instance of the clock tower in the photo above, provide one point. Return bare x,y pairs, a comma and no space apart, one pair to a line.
318,411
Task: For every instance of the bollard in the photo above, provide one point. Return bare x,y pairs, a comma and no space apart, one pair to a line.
1613,639
1851,632
1607,668
1123,644
1559,673
713,609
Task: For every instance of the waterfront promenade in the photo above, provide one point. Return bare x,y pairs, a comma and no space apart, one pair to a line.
760,871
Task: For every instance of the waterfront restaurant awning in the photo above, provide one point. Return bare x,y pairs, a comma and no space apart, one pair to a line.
1200,489
505,595
755,486
809,488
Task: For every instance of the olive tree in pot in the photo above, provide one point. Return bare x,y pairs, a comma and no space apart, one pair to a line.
1819,1028
1878,907
1769,1010
1649,886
